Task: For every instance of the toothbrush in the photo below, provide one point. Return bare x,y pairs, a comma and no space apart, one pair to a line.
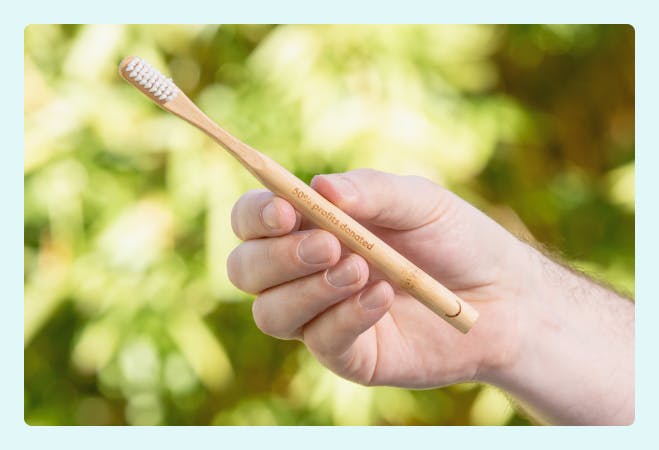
308,202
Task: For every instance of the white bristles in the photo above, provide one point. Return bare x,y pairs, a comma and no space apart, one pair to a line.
150,80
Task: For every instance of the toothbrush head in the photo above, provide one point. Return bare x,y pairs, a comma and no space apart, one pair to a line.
148,79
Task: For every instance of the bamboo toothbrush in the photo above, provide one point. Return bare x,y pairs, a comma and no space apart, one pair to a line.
308,202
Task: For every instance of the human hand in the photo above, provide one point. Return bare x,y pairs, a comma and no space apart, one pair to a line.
356,323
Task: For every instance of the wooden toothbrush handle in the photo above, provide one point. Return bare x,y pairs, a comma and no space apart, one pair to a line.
355,236
325,215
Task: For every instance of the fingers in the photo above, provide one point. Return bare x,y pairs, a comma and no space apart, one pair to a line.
383,199
283,310
259,214
332,333
259,264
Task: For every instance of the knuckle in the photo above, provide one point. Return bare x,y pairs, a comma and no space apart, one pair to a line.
235,221
372,176
268,322
242,209
235,270
424,184
272,256
262,320
311,340
317,342
365,171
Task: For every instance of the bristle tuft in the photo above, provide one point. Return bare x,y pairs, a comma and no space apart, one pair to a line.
150,81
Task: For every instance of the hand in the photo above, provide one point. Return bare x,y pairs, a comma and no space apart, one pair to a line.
355,322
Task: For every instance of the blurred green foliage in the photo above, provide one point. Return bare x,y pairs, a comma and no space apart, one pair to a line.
129,316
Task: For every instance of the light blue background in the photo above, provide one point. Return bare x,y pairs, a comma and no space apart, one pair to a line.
16,434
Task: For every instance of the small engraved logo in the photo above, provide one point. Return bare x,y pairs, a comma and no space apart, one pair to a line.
457,313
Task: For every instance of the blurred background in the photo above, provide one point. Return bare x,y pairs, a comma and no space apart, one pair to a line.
129,315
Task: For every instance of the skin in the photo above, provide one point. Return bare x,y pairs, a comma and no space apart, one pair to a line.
559,343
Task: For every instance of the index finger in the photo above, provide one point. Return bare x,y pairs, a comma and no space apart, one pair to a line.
259,213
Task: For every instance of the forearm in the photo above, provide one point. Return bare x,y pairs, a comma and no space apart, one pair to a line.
575,364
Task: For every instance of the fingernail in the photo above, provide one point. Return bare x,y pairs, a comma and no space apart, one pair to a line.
314,249
343,274
270,216
344,186
373,298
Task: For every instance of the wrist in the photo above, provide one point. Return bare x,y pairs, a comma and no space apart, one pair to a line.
569,365
525,319
511,332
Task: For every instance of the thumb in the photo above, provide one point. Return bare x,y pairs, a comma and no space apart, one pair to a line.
383,199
